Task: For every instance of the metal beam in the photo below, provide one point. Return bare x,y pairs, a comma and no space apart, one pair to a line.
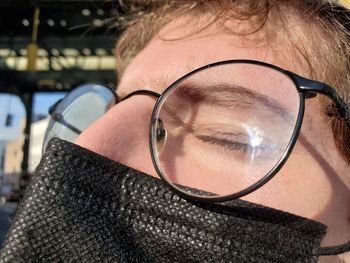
18,82
52,3
77,42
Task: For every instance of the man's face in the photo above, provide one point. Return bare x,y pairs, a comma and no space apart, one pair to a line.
313,183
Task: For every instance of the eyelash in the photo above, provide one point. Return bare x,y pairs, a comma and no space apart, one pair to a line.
240,147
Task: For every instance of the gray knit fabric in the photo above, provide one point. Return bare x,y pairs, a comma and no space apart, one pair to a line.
81,207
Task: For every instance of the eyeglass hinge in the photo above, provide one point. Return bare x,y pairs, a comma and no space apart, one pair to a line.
309,94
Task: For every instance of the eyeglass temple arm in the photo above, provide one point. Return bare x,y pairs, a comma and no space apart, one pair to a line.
311,87
59,118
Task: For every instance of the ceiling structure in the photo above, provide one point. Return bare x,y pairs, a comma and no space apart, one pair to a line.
75,41
71,41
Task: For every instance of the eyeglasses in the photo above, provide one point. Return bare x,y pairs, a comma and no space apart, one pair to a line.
218,133
77,111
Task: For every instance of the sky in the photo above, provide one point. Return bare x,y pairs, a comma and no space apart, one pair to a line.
12,104
43,100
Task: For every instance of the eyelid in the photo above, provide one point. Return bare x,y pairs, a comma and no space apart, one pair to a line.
226,95
225,142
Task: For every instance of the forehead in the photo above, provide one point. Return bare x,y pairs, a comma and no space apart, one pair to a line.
176,50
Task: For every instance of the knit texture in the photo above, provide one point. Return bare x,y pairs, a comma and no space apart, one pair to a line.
82,207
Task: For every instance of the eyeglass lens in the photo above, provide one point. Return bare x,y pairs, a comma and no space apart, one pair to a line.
78,110
224,128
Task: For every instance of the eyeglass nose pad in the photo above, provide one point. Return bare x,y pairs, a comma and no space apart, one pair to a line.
161,136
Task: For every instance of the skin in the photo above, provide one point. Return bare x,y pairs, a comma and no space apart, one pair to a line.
313,183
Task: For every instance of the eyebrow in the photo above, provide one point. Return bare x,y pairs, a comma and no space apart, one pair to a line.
231,95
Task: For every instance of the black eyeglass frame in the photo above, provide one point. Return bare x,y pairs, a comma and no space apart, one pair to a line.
306,88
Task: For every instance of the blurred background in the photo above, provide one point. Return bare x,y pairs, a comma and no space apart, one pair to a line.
47,48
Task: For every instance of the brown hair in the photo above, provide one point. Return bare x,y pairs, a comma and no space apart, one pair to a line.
327,30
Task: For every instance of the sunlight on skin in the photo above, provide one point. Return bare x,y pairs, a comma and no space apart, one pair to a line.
313,181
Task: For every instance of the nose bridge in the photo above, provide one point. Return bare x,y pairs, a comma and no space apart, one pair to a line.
122,134
142,92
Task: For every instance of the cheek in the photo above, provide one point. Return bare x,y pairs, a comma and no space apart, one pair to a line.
300,187
308,183
184,160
